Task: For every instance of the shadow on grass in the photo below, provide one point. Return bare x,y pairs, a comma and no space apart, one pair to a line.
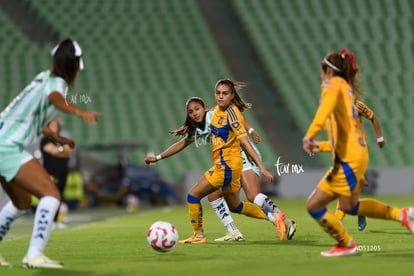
274,243
66,272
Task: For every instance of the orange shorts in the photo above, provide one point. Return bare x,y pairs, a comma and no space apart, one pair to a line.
226,176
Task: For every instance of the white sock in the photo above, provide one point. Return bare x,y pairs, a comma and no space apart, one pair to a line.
223,213
272,217
8,215
264,202
45,212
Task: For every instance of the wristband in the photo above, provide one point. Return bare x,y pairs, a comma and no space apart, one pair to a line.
380,139
158,157
250,130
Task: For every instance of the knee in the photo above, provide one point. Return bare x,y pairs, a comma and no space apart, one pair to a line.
238,209
352,210
192,199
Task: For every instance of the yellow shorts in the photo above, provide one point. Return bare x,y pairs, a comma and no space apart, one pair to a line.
344,179
226,176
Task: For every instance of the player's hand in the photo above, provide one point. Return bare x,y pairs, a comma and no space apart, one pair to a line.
307,145
66,141
381,144
150,159
255,137
267,174
91,117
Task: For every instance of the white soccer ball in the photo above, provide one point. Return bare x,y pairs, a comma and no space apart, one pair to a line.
162,236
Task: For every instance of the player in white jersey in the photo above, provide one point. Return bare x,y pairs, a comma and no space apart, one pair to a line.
196,129
21,124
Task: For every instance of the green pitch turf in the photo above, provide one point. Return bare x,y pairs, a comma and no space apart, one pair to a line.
118,246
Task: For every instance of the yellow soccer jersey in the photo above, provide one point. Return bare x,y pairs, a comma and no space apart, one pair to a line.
226,127
330,125
364,110
345,128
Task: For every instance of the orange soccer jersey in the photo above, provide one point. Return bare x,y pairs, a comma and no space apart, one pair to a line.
226,129
338,109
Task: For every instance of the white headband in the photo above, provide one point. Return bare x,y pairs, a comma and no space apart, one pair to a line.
193,98
78,53
331,65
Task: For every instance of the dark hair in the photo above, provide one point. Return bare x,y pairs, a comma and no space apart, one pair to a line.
188,128
234,86
64,63
344,65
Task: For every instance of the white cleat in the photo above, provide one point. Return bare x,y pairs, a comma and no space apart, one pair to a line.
41,261
231,236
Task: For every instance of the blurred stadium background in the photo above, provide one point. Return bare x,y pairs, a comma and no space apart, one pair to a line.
144,58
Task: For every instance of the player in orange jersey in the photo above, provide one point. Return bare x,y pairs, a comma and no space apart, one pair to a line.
338,109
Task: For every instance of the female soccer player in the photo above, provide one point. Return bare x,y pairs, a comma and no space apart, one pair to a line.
366,112
228,134
196,129
21,123
340,92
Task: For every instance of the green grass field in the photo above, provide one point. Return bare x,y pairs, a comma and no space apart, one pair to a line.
118,246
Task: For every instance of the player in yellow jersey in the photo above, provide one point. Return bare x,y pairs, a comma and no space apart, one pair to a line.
367,113
364,111
339,95
228,136
196,129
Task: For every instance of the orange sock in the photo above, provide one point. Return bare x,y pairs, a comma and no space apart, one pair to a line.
375,209
196,217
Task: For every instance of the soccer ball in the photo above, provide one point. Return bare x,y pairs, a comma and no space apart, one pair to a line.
162,236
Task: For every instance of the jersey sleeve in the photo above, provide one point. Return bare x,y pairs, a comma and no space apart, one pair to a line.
56,84
329,98
325,146
364,110
236,121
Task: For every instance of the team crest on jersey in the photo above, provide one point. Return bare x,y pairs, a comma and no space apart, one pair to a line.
220,121
210,173
236,125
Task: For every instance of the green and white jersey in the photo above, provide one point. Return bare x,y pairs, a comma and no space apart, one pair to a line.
22,121
203,136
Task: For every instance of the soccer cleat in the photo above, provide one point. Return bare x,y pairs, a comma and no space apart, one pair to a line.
194,239
4,262
280,224
362,223
338,250
231,236
290,228
41,261
407,218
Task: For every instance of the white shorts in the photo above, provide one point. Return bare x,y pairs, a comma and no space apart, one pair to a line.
12,157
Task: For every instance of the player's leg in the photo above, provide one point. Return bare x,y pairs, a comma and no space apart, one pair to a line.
194,196
250,180
20,190
373,208
316,206
8,214
222,211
